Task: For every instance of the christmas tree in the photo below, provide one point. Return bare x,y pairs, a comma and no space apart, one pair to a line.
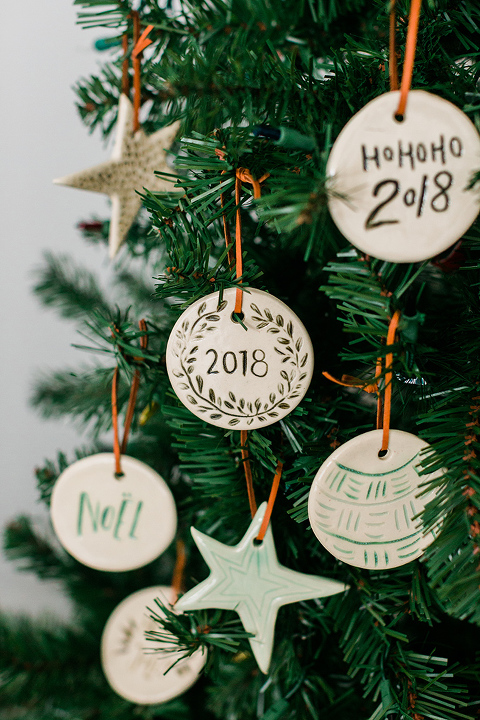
243,101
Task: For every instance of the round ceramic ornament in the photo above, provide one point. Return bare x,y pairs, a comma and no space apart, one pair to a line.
364,508
398,190
136,671
247,375
111,523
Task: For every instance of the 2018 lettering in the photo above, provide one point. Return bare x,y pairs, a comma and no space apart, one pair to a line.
410,154
258,366
121,522
440,202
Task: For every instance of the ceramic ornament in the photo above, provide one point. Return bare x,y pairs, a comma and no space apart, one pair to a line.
364,509
131,168
240,377
133,666
109,523
249,579
398,190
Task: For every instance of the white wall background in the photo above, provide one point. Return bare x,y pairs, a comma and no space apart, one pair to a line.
43,52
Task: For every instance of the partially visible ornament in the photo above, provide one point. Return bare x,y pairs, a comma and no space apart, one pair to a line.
365,509
240,375
109,523
135,671
249,579
134,160
399,190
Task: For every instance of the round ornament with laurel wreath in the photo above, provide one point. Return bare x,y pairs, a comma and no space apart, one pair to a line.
240,375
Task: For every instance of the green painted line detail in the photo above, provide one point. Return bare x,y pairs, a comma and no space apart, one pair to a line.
382,542
365,474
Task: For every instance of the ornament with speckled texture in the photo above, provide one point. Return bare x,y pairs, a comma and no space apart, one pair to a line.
131,168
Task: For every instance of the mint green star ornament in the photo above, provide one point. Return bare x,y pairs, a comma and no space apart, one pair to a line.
249,579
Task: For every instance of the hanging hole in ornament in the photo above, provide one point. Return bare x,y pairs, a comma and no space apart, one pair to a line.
257,542
118,476
399,117
383,454
238,319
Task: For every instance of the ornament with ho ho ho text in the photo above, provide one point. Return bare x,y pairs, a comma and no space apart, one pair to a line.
399,190
364,508
136,671
241,376
113,523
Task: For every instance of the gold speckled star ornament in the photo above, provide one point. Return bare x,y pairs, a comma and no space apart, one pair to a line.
134,159
249,579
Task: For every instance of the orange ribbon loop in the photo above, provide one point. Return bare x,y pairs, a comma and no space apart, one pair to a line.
409,59
251,492
392,329
383,409
248,472
178,570
120,449
242,175
271,502
350,381
142,42
392,65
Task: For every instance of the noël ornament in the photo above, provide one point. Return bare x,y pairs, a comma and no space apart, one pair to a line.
113,523
135,159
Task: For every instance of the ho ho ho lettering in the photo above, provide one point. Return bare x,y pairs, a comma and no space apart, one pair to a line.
408,154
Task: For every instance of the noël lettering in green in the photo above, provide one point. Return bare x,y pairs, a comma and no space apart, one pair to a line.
120,521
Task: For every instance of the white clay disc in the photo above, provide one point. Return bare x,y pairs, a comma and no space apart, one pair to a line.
131,663
362,508
110,523
398,189
237,378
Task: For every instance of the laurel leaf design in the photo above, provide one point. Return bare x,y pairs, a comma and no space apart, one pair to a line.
191,399
202,309
279,320
211,395
199,380
234,421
